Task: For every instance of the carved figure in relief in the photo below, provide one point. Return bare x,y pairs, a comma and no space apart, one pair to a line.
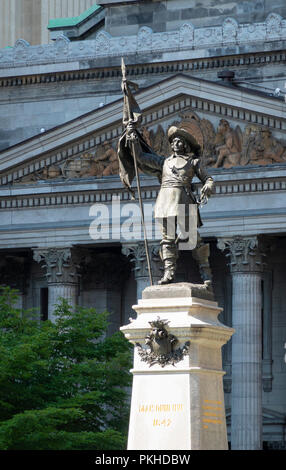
103,163
110,156
80,167
157,139
273,149
228,143
51,172
47,173
248,143
260,147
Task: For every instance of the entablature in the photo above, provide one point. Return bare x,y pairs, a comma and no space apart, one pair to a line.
99,70
235,181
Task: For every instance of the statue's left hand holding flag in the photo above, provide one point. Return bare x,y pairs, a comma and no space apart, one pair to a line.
131,115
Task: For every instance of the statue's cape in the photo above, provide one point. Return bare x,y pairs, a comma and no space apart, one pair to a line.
126,162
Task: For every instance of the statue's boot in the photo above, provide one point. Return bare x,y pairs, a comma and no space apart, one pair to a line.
202,254
169,255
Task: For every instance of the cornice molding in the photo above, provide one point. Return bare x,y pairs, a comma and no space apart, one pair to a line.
58,194
196,41
197,65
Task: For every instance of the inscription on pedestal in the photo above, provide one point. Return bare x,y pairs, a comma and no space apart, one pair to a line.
161,414
212,413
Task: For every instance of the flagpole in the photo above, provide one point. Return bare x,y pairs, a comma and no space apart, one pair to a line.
134,154
142,214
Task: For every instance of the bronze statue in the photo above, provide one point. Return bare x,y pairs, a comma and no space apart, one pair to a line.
174,173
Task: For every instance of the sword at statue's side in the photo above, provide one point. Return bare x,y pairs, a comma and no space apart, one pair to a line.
129,116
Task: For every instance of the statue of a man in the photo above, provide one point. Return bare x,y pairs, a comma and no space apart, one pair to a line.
175,174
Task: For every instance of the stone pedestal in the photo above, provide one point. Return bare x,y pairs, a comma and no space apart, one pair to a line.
177,395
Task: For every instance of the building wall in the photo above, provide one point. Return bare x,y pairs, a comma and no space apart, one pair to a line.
167,15
28,19
53,92
277,398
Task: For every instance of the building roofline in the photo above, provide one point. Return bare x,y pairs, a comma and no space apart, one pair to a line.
75,20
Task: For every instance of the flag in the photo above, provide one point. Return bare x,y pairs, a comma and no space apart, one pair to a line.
131,112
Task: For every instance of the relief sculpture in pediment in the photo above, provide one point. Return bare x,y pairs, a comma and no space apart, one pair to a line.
228,145
224,147
100,163
103,163
255,146
157,140
261,148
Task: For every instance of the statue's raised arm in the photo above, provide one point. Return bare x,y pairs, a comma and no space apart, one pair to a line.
132,149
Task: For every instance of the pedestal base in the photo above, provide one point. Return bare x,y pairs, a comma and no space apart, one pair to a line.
177,394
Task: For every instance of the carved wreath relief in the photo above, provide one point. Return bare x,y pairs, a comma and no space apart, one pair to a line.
161,346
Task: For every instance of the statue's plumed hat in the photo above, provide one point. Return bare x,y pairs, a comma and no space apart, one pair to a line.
181,132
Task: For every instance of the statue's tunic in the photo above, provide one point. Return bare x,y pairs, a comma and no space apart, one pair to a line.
177,176
176,179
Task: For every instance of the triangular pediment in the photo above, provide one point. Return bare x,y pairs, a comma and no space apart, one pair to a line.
230,123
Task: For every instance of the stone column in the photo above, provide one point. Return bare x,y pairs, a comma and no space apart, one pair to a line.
246,266
103,281
61,269
137,255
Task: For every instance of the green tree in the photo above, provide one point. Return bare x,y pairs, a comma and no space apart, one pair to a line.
63,385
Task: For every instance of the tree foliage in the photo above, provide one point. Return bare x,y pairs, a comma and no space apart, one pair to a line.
63,385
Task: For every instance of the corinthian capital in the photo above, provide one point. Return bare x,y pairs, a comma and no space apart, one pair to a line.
137,255
60,264
245,253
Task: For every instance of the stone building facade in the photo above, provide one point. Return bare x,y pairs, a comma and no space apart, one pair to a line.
28,19
215,68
